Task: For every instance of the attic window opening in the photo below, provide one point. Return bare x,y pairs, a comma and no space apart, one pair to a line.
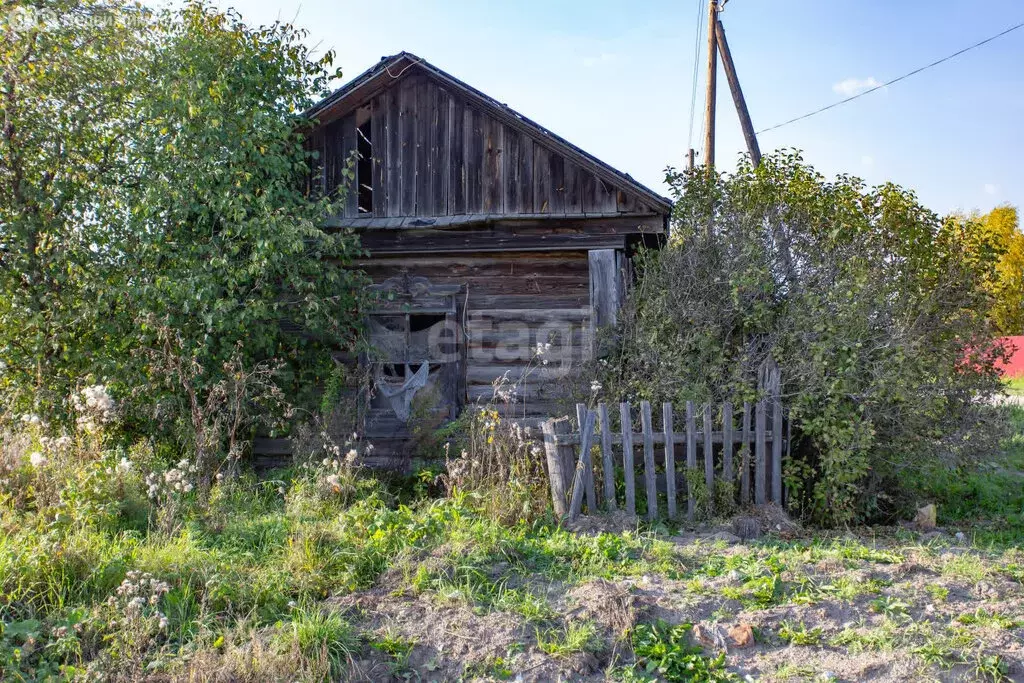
364,166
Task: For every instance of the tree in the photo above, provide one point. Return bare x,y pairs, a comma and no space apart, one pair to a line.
155,176
230,247
869,302
1000,228
70,77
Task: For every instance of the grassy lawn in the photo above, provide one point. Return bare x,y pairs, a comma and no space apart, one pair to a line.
271,581
1015,386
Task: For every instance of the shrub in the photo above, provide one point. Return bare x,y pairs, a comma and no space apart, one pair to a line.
492,455
870,304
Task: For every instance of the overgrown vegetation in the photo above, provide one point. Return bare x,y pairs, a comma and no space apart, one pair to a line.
153,176
112,566
166,292
872,306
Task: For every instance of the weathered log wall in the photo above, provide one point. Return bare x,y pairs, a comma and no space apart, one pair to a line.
513,302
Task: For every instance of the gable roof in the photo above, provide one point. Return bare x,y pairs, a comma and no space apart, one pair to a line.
390,69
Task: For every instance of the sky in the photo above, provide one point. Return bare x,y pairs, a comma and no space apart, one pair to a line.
616,79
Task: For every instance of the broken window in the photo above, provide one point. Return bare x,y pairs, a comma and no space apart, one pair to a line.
417,355
364,163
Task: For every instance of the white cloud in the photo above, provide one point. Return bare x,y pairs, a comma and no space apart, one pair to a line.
603,58
852,86
867,160
991,189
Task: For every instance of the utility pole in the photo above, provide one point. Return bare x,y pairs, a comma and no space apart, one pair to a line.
689,160
737,95
709,108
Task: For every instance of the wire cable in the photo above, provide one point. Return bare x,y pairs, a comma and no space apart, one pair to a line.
895,80
696,57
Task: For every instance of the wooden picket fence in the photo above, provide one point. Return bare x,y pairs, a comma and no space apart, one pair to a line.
750,453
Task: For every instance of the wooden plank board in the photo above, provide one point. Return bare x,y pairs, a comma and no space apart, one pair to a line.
542,190
407,163
709,460
511,171
691,460
582,417
526,203
425,112
456,160
346,177
379,140
776,405
670,460
555,473
649,474
573,196
394,155
579,482
745,473
760,454
473,154
727,444
607,459
556,163
605,297
492,176
626,426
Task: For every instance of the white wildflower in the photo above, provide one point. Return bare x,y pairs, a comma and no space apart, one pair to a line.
124,466
37,459
595,386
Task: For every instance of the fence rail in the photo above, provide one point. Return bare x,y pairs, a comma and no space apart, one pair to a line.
749,454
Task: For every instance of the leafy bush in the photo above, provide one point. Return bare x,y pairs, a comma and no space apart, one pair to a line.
495,457
869,303
666,652
162,177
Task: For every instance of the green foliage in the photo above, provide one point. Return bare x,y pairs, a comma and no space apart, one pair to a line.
154,174
1000,231
799,634
666,651
869,303
990,493
324,641
573,638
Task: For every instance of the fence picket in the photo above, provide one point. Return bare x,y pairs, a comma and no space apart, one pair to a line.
579,482
588,462
571,467
727,475
709,459
691,460
625,415
745,475
760,453
650,475
607,466
776,438
559,485
670,460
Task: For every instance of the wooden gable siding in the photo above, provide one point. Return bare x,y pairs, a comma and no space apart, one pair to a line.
436,154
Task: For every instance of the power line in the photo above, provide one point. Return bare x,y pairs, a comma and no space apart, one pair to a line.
696,56
895,80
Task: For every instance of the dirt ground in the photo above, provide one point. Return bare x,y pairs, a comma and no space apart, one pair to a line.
879,604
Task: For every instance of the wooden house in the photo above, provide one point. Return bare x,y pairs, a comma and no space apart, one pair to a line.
489,237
